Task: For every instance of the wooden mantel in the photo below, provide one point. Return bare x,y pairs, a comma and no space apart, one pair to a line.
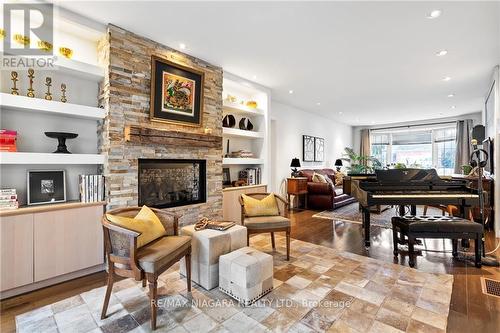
145,135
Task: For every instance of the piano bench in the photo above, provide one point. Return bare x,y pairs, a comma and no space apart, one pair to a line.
448,227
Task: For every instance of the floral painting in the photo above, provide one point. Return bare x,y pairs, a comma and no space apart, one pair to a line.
178,94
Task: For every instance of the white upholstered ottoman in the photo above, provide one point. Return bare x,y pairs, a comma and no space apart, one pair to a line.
206,247
246,274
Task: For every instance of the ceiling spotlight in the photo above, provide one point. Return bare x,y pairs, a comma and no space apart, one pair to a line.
434,14
446,79
453,107
451,95
290,92
254,77
442,53
318,103
182,46
440,113
340,112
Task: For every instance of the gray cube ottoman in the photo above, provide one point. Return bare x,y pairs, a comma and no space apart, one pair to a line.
206,247
246,274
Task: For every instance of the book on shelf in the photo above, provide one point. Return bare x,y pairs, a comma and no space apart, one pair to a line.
8,199
8,139
91,188
251,176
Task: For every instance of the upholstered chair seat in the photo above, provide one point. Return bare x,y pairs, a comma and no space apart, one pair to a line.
265,222
159,253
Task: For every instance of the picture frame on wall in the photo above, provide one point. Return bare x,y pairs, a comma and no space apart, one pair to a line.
319,149
307,148
176,93
46,186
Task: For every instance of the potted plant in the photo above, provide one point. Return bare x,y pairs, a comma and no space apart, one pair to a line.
360,163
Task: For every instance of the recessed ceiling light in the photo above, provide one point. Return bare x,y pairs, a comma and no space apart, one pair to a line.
442,53
340,112
434,14
254,77
290,92
318,103
451,95
453,107
182,46
446,78
440,113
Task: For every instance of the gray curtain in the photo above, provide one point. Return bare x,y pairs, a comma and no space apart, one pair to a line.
463,139
365,146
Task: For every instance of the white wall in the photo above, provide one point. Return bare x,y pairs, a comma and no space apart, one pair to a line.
477,118
290,124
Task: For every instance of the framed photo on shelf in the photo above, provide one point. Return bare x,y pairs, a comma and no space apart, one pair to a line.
226,176
319,149
308,148
176,93
46,186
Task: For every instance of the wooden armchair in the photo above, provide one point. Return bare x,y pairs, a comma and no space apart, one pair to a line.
147,262
272,224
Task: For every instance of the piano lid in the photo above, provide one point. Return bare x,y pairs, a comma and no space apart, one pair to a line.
392,176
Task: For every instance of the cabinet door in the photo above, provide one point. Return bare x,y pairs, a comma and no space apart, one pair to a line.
66,241
16,251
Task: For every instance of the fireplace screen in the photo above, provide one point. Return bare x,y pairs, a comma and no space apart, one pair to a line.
169,183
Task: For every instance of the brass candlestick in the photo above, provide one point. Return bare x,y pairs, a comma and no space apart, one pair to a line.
31,75
63,90
48,83
13,77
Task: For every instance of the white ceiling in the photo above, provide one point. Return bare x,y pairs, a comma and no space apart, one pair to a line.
364,62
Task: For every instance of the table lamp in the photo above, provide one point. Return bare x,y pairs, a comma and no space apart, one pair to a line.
338,164
294,165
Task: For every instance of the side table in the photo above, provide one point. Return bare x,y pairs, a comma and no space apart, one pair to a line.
297,186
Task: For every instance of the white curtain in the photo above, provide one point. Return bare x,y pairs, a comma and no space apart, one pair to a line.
463,141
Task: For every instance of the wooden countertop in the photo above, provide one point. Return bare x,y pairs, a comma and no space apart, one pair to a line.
49,207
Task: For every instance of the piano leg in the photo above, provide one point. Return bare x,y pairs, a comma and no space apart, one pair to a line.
401,210
366,224
413,209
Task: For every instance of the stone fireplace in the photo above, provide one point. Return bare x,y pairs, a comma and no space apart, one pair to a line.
165,183
125,95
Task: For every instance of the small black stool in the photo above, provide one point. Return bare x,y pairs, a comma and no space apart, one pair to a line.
453,228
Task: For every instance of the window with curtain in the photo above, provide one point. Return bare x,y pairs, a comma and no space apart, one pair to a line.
417,147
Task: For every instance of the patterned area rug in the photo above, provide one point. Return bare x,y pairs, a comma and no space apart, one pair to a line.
351,213
318,290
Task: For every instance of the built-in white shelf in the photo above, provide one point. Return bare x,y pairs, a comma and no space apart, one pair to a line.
234,108
242,161
233,132
49,158
38,105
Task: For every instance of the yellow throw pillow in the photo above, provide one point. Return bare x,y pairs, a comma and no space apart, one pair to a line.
146,222
265,207
317,178
339,178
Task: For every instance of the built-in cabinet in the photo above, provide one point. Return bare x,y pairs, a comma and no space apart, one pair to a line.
43,243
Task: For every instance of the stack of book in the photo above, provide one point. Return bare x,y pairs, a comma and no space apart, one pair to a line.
8,199
252,176
241,154
91,188
8,140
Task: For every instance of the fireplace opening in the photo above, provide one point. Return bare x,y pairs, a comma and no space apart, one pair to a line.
167,183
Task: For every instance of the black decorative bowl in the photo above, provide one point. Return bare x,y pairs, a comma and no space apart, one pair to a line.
61,138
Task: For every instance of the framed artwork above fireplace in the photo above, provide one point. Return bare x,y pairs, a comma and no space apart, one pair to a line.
164,183
176,93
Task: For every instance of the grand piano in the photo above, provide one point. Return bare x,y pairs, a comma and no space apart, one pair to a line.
411,187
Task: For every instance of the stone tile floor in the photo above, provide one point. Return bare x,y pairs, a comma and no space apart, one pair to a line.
318,290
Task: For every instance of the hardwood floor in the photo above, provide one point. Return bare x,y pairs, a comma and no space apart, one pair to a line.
470,309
